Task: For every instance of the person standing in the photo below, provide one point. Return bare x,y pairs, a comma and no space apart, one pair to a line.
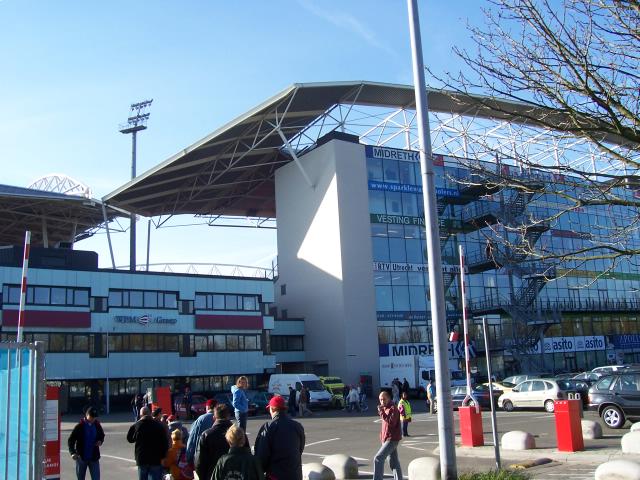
395,391
404,407
151,445
431,396
291,402
238,464
280,443
187,402
137,403
303,402
390,436
240,401
212,444
353,399
84,445
405,386
175,460
202,423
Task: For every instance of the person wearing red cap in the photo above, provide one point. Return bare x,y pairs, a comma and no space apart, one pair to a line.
202,423
280,443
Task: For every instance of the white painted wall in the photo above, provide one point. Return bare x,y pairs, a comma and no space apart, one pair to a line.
325,259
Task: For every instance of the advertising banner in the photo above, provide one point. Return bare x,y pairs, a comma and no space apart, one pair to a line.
456,349
571,344
625,341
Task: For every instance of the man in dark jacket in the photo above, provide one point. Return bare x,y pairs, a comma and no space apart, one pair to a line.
280,443
238,464
212,444
150,445
84,445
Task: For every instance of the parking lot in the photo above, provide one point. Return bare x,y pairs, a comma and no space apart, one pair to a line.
329,432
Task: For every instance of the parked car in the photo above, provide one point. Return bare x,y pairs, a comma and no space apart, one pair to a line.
480,392
197,406
538,393
227,397
516,379
607,369
589,377
335,385
616,398
503,387
576,386
259,399
565,376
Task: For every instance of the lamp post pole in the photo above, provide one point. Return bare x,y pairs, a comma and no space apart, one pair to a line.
446,433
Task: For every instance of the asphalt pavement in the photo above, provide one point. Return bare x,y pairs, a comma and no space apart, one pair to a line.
356,434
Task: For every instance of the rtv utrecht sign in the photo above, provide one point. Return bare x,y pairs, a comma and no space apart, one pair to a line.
571,344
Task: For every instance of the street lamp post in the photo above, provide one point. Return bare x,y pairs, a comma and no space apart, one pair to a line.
446,433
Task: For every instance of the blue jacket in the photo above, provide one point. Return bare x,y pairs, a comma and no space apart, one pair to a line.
202,423
240,401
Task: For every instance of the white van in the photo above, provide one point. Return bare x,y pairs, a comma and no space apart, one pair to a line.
280,382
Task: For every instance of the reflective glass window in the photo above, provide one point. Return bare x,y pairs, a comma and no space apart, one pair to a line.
150,299
135,299
378,229
374,169
249,303
414,251
382,278
376,202
41,295
417,298
201,301
407,173
401,298
397,252
410,204
393,202
218,302
231,302
384,300
58,296
219,342
390,170
380,249
81,297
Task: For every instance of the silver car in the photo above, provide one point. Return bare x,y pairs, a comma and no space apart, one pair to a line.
538,393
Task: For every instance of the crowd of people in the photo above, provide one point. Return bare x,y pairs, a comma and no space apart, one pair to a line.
217,446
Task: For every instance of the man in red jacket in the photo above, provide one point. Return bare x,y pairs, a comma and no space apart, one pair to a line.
390,435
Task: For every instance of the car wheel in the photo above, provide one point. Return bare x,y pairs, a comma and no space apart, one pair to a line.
507,406
613,417
549,406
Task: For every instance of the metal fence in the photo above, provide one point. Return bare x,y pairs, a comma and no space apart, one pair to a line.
22,402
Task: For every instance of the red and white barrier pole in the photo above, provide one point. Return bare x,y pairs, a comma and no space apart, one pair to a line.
23,288
464,319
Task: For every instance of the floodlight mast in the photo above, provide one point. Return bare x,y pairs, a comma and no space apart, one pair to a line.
136,122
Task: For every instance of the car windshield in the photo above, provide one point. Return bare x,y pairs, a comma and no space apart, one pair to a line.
508,384
566,384
313,385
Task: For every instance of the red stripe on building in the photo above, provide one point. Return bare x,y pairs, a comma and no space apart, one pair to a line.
47,318
229,322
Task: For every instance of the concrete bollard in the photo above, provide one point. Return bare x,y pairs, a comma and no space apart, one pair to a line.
591,430
424,468
343,466
618,470
631,442
317,471
518,440
635,427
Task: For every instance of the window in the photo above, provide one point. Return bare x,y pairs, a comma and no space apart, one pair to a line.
145,299
216,301
59,296
41,295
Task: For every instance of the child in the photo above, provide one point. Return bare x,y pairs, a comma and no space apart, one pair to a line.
238,464
405,413
176,460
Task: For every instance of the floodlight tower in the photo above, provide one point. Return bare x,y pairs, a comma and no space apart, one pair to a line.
137,121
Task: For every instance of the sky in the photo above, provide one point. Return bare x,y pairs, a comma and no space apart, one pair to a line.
70,69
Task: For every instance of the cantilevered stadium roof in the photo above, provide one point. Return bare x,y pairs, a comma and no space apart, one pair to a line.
231,171
51,216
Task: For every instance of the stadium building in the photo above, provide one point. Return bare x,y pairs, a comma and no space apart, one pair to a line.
335,166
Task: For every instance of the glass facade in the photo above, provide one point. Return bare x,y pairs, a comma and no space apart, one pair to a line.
592,310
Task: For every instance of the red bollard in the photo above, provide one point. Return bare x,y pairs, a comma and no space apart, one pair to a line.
569,425
471,427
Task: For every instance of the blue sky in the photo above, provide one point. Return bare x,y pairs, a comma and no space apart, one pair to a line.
70,69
